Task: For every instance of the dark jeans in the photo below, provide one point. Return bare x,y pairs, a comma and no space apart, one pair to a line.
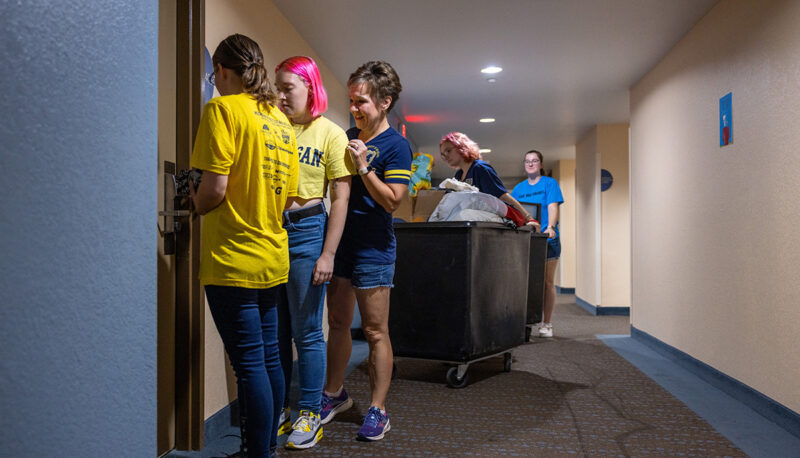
247,321
553,248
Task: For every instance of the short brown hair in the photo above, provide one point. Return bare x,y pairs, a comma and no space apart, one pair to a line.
382,81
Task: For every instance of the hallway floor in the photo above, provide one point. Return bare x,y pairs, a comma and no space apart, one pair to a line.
589,391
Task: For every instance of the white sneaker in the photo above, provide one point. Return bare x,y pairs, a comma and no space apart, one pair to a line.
546,330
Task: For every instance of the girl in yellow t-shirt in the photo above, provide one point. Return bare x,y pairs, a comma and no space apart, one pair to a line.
313,239
247,150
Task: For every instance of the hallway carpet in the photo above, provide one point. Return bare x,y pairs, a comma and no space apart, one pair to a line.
569,395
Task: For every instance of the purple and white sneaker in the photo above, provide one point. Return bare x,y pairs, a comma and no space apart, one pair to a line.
332,406
376,424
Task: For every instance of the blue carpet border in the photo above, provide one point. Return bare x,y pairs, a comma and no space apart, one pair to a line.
764,405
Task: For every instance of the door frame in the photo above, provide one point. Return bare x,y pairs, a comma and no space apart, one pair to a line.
183,331
189,297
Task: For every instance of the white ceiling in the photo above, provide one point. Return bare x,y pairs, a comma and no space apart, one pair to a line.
567,64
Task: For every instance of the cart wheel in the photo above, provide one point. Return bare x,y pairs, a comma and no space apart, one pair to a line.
453,381
394,371
507,362
527,333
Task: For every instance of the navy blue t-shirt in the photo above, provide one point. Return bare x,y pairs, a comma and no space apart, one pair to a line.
368,237
483,176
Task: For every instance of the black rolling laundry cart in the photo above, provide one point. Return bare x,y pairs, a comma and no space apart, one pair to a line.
536,273
461,293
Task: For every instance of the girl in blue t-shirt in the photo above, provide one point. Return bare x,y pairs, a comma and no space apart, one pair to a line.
463,154
545,192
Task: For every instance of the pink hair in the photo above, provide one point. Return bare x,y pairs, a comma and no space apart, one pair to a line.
307,70
467,148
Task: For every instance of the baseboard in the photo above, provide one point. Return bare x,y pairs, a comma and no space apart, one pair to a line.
220,423
602,311
765,406
585,305
560,290
613,311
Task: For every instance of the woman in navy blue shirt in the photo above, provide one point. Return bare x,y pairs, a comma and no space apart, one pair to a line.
463,154
364,266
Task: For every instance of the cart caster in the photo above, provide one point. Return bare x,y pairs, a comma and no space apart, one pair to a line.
527,333
507,362
453,381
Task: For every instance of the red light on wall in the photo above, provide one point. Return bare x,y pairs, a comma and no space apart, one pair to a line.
403,129
421,118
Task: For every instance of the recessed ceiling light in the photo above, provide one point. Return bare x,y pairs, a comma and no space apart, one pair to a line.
491,70
491,80
487,120
485,150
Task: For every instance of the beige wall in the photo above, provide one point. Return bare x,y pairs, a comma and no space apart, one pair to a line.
263,22
715,247
587,219
564,173
602,218
615,263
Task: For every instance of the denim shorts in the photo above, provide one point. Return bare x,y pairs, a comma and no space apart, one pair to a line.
365,276
553,248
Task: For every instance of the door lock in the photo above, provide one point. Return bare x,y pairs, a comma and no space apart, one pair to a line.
176,207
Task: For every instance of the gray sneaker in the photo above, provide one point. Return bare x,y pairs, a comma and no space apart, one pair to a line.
285,421
307,431
546,330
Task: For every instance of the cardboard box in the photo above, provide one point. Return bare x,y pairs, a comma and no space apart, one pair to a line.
425,204
418,208
406,209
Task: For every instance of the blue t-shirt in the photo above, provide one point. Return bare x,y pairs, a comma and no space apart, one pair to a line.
368,237
483,176
544,192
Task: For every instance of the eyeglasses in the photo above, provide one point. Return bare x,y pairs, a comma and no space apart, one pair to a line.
210,78
535,161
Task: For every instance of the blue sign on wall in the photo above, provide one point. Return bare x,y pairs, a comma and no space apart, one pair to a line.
208,88
606,180
726,119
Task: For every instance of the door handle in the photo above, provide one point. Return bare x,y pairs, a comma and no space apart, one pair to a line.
176,207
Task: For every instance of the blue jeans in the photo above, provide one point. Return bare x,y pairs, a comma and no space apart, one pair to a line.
247,321
365,276
300,311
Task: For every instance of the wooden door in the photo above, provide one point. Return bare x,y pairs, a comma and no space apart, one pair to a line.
181,312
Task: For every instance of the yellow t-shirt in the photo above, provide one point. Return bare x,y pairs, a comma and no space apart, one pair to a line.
321,148
243,240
